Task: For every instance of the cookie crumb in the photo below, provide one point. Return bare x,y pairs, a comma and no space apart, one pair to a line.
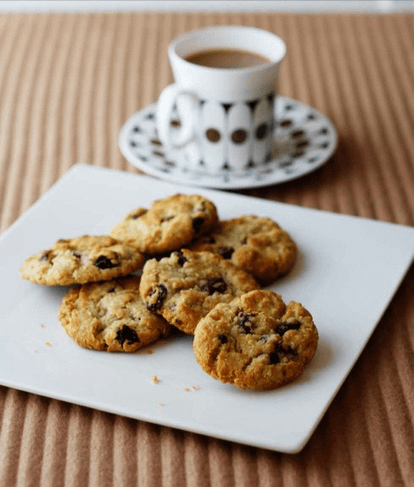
155,379
42,325
35,350
149,351
48,344
160,404
186,389
195,388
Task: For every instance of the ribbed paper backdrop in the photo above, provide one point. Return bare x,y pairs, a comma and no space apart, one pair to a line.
67,85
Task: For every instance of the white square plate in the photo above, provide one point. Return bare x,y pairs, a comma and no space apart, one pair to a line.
347,272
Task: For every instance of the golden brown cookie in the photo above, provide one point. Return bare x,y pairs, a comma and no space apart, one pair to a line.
256,245
170,223
256,341
111,316
187,285
81,260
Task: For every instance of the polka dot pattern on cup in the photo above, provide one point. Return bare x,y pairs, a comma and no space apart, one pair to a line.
303,140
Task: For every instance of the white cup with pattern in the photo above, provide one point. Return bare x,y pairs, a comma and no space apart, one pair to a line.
224,94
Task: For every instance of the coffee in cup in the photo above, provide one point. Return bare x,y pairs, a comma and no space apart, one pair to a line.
227,58
224,93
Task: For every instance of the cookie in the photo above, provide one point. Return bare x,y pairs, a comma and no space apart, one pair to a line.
110,316
185,286
256,341
256,245
169,224
81,260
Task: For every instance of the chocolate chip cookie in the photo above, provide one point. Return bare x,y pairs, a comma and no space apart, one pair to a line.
111,316
256,341
81,260
256,245
187,285
170,223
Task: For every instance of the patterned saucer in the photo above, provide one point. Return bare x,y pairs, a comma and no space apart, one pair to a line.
304,140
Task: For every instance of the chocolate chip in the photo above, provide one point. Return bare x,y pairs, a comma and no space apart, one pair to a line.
284,327
216,284
77,255
127,334
225,252
181,259
197,224
103,262
222,339
161,293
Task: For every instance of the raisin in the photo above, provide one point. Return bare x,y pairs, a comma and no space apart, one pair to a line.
225,252
208,240
167,218
197,224
245,320
103,262
246,328
279,352
222,339
273,358
135,216
127,334
264,338
44,256
77,255
161,293
181,259
284,327
216,284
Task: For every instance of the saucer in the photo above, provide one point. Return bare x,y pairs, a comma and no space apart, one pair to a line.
303,140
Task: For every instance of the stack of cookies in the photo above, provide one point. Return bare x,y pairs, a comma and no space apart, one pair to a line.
177,266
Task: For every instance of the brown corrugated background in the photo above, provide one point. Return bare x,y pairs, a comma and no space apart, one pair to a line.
67,84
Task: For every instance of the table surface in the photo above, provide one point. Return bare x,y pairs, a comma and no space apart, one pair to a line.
68,82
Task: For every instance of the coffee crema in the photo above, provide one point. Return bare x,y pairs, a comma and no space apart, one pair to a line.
227,58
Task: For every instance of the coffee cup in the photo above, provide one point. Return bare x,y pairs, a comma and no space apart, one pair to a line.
220,109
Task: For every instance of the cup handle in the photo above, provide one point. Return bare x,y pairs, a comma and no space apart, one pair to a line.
187,103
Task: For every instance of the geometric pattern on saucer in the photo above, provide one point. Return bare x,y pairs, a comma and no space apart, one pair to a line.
303,140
